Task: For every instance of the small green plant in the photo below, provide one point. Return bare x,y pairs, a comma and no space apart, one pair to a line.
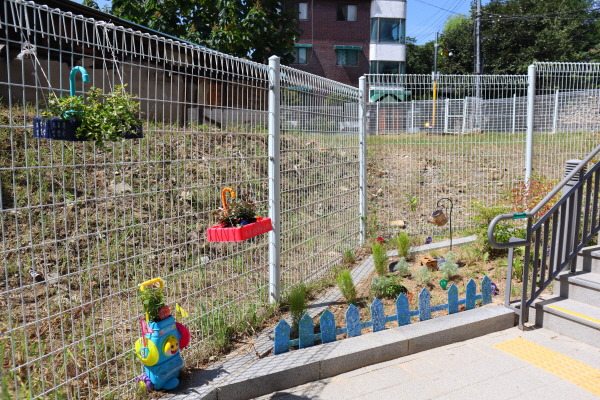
104,117
412,202
517,272
239,212
153,299
422,276
298,304
449,268
402,267
403,243
346,285
380,258
387,286
348,258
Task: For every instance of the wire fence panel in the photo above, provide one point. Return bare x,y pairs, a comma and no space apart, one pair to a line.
319,174
468,144
567,115
82,225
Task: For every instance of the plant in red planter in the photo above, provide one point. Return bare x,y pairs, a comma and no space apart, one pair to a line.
238,220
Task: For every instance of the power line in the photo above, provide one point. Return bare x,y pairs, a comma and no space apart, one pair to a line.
441,8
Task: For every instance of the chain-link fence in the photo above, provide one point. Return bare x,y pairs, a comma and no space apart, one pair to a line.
84,224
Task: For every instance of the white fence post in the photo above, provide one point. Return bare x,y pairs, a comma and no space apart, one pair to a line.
530,122
446,114
362,105
464,121
274,182
555,117
514,114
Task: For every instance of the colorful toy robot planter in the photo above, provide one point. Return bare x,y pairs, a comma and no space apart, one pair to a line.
162,338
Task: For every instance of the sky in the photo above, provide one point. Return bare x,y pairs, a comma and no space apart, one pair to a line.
423,17
426,17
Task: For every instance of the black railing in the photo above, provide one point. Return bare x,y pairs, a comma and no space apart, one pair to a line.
554,238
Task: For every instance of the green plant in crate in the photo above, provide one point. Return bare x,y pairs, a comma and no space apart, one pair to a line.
346,285
387,286
402,267
298,304
403,244
380,258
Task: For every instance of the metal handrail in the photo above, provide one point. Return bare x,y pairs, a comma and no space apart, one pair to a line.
536,209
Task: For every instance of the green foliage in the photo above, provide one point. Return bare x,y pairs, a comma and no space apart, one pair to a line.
419,58
449,268
248,29
517,268
412,202
403,267
239,209
153,299
348,257
389,286
380,258
503,232
346,285
403,243
423,276
104,117
298,304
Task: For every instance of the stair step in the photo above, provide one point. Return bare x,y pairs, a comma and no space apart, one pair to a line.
582,286
569,317
589,259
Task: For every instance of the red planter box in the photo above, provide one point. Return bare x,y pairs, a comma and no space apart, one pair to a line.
218,233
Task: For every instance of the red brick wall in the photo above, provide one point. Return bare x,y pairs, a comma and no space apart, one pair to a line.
323,31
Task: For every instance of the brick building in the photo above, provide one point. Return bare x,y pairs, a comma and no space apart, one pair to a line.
345,39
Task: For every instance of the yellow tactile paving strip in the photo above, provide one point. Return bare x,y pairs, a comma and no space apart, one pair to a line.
567,368
576,314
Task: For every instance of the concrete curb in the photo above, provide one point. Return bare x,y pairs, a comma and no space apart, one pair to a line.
296,368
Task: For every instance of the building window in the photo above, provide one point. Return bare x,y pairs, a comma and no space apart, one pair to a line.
302,53
388,67
346,12
388,30
302,11
347,55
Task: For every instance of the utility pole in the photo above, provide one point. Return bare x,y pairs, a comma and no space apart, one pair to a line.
435,54
478,60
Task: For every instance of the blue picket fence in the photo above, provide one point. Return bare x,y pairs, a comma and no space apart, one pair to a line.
307,336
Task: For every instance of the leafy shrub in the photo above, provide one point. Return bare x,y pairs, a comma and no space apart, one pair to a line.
298,304
403,267
523,196
387,286
348,257
403,243
503,232
346,286
423,276
449,268
153,299
380,258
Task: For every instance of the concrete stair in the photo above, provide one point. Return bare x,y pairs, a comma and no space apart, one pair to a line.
574,308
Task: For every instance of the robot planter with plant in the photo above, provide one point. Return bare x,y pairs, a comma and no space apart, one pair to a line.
162,338
237,221
99,117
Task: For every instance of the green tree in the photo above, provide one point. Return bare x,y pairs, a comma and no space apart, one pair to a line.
251,29
517,33
419,58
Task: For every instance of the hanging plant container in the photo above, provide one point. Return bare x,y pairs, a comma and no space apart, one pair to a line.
99,117
238,222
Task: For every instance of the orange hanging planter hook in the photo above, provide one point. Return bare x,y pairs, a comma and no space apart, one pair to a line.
224,199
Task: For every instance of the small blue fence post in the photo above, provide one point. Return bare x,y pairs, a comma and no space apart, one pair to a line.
402,310
327,321
452,299
306,332
353,321
282,337
424,305
377,315
486,290
471,293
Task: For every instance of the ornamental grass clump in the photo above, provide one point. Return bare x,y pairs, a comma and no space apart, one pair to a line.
346,286
423,276
403,243
402,267
380,258
298,304
449,268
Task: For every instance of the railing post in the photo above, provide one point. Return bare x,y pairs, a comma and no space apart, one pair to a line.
274,182
362,104
568,231
530,122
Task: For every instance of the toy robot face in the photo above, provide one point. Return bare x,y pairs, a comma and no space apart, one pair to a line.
170,346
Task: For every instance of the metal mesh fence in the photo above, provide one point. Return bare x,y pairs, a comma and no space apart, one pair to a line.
468,145
83,224
319,174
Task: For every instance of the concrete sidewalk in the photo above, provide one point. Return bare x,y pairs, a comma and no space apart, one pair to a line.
500,365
